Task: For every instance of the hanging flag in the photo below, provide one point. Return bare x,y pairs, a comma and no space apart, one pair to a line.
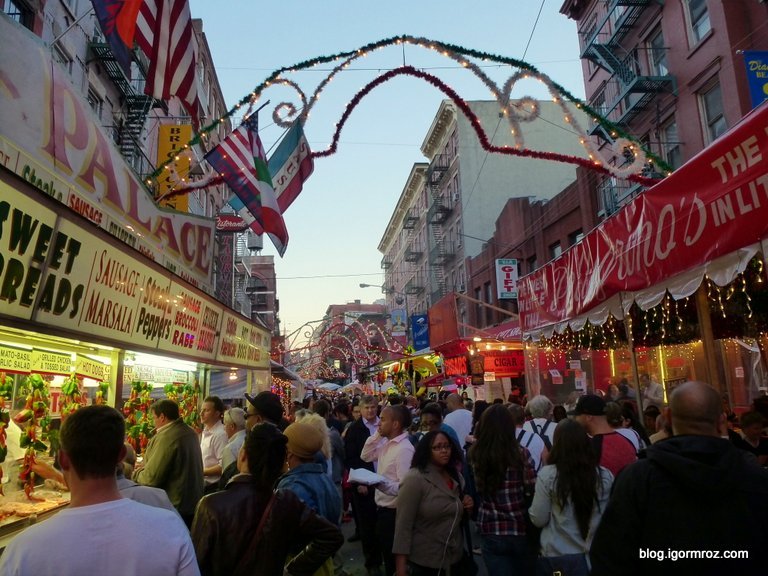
163,30
241,161
164,33
118,23
290,165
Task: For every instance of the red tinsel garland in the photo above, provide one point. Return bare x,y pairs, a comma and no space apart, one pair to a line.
473,119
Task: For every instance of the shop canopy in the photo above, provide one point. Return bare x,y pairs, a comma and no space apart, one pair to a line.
710,217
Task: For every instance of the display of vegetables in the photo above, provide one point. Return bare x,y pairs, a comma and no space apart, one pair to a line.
35,421
137,419
6,393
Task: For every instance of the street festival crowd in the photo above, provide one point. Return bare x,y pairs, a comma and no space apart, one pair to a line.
587,487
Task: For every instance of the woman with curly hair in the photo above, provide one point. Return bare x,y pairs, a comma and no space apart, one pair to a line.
571,493
505,478
430,507
250,529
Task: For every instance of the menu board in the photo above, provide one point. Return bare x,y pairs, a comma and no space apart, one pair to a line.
192,323
15,360
240,342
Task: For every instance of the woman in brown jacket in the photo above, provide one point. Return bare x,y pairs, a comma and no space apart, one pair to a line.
430,507
225,530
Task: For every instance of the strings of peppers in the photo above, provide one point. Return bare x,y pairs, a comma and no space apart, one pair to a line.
35,421
6,393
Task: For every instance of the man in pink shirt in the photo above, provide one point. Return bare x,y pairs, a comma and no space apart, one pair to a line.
394,452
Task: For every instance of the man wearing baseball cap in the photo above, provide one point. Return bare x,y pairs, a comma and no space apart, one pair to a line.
614,451
264,407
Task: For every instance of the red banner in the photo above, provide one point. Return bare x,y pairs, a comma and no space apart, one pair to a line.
716,203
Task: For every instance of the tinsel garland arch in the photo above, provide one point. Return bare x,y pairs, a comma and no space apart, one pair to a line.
459,54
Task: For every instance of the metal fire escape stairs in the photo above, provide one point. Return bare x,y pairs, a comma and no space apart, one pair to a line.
437,214
632,92
136,105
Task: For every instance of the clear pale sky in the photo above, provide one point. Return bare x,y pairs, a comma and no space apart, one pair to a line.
336,224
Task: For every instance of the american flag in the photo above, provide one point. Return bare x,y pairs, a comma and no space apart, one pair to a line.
164,32
241,161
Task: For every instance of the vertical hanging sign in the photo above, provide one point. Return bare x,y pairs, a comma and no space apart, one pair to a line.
757,75
506,278
171,138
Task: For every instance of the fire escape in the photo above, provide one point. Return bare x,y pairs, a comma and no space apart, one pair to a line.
136,105
440,252
627,92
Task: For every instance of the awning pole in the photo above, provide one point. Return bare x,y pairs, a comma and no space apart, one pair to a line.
632,355
707,337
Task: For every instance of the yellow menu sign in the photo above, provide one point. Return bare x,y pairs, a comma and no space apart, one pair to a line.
51,362
14,360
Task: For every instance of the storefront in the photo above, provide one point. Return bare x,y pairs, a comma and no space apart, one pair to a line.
673,285
78,301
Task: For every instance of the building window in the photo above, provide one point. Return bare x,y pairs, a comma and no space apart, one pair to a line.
531,264
575,237
671,145
95,101
478,306
699,18
658,54
19,12
488,300
712,109
555,250
62,58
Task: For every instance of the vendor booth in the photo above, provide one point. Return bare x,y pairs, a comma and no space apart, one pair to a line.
673,285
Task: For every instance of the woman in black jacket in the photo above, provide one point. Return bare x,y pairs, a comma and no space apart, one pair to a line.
229,535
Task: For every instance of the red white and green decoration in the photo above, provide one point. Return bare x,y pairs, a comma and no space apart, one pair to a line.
634,159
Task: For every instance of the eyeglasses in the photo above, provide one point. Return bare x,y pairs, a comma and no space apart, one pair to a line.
441,447
249,414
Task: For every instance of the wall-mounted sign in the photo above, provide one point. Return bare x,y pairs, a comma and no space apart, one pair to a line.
92,368
15,360
51,138
51,362
171,138
506,278
59,274
504,363
456,366
489,377
242,342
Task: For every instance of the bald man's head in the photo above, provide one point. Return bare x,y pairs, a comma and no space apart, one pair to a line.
696,408
454,402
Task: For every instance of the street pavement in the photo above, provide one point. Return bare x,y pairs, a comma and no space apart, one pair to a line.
352,552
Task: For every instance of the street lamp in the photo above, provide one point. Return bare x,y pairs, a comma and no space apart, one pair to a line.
400,299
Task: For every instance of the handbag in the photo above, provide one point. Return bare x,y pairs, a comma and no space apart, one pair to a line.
566,565
467,565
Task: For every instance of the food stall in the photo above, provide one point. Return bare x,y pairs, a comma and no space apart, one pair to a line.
672,285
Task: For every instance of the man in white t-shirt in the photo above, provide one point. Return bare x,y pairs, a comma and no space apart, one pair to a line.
458,418
100,531
212,441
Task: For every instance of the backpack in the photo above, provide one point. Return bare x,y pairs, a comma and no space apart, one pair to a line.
542,432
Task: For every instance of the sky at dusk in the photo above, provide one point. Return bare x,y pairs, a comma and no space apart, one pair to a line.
337,223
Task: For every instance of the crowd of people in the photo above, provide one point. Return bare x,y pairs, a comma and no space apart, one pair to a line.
262,492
